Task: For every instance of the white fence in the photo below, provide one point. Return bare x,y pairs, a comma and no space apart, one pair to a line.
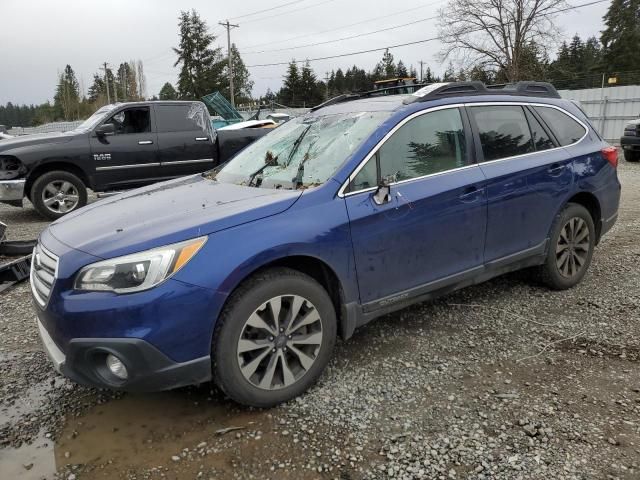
608,108
45,128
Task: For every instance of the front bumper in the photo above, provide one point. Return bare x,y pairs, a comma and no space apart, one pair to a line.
630,143
149,369
12,190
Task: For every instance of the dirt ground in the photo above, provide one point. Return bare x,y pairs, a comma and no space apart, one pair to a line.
504,380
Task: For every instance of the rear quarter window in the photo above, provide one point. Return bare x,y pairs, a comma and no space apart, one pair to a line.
565,128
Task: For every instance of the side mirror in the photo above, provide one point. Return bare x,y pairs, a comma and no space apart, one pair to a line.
382,194
105,130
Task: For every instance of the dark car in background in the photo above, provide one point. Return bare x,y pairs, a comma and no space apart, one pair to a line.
120,146
630,141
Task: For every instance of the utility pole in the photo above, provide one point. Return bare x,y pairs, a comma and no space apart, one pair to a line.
106,81
421,72
229,26
326,79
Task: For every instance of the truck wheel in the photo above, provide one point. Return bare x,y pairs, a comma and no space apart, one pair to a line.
631,156
274,338
573,239
57,193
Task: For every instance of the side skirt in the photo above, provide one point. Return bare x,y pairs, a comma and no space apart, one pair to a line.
357,315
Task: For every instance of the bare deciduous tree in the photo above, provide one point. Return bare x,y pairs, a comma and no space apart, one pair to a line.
497,34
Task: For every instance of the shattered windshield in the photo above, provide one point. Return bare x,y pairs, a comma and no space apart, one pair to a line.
301,153
94,119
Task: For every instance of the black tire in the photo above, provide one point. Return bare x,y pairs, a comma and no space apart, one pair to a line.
57,177
230,326
631,156
550,272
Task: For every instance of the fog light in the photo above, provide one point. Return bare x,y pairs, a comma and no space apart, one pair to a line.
115,366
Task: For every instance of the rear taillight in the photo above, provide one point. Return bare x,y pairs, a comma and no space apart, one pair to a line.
611,155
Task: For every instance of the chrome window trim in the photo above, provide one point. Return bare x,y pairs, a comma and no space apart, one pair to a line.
546,105
136,165
178,162
341,191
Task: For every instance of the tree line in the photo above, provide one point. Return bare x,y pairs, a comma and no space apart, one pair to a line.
511,46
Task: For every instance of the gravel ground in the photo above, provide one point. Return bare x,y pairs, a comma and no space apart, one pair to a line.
505,380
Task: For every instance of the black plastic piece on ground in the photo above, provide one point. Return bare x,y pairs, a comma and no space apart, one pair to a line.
14,272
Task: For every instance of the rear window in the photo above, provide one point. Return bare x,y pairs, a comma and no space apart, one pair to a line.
181,118
565,128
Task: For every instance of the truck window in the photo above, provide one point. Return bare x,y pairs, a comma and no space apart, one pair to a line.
181,118
131,120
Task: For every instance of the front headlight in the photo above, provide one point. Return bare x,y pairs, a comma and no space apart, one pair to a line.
139,271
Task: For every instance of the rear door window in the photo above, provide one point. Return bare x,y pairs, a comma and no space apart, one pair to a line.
181,118
504,131
565,128
541,139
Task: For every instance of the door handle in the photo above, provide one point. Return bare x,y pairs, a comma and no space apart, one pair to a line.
202,139
471,194
555,169
145,142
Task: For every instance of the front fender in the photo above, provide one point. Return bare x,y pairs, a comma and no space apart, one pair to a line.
316,230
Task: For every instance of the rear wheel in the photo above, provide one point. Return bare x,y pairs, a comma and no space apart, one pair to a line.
631,156
57,193
274,338
570,249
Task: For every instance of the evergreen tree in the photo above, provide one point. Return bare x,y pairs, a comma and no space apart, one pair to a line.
201,65
449,74
621,37
167,92
289,94
387,64
311,92
67,96
97,89
401,70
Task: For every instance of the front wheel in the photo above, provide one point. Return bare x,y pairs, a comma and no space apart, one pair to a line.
571,247
57,193
274,338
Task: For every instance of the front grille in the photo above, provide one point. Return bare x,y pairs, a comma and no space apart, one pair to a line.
44,270
632,130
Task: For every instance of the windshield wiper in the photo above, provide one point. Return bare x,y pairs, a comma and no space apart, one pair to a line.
269,161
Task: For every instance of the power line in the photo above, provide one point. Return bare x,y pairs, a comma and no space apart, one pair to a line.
344,38
290,11
266,10
306,35
416,42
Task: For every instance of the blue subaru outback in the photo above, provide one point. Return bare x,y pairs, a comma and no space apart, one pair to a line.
370,202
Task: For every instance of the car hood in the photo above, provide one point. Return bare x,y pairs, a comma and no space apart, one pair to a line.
165,213
28,140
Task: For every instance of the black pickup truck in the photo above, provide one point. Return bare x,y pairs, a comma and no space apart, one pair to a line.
120,146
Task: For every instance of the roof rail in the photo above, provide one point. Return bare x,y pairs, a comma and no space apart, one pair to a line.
527,89
379,92
441,90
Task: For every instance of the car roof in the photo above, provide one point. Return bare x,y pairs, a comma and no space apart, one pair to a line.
382,103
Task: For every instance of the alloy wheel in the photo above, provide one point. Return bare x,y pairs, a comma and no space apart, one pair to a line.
572,248
60,196
280,342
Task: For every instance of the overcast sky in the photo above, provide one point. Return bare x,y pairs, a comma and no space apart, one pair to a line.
39,37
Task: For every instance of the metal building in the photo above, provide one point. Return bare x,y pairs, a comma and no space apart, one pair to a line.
608,108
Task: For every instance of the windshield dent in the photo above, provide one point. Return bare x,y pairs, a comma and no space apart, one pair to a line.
302,153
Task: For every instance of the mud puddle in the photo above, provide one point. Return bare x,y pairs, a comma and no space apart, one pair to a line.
181,434
33,461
